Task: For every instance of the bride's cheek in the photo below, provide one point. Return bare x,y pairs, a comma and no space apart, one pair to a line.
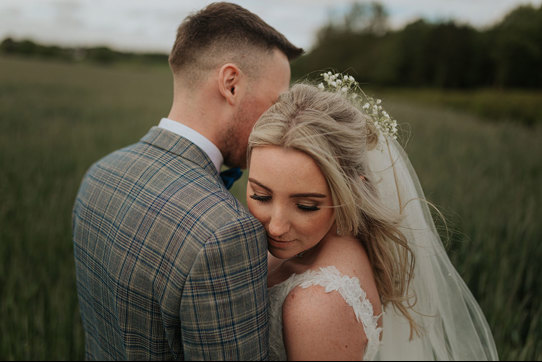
313,224
254,209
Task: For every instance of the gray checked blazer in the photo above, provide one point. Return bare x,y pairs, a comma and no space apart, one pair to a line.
169,264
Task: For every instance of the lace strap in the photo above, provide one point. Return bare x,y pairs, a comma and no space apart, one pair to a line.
350,289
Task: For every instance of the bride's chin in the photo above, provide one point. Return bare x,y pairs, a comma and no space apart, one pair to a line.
281,254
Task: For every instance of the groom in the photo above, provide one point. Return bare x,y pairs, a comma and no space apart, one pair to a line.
169,265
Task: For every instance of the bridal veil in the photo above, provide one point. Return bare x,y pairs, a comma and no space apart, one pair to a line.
453,326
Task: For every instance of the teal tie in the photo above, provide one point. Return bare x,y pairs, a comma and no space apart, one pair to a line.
231,175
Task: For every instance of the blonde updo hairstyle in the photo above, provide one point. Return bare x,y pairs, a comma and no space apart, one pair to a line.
337,135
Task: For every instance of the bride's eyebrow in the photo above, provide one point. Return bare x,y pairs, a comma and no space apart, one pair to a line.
310,194
259,184
319,196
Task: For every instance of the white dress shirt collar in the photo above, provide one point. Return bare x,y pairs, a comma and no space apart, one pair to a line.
198,139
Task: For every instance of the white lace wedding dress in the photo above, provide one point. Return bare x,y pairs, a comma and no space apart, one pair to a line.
332,280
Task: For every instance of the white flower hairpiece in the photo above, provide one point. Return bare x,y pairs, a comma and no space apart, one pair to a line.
337,82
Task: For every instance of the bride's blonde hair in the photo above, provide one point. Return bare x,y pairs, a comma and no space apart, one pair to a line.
337,135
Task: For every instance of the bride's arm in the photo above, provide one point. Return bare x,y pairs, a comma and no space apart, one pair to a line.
321,326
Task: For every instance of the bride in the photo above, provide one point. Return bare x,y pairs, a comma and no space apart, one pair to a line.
356,267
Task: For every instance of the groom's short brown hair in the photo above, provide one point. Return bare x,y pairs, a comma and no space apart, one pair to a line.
224,27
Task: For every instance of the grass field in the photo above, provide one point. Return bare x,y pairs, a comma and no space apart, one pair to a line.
516,106
57,119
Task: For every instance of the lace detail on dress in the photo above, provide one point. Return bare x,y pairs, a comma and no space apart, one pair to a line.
332,280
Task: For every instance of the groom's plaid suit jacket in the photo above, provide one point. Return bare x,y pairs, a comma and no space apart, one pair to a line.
169,265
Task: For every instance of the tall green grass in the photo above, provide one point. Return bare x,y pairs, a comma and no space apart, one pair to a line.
57,119
518,106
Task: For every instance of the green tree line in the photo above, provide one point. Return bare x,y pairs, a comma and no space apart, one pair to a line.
99,54
430,54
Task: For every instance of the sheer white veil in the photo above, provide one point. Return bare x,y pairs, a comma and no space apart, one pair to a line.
452,323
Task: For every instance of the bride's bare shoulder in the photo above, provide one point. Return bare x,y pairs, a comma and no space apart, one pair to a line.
320,326
311,315
349,256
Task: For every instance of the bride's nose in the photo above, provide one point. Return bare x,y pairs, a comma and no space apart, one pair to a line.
278,224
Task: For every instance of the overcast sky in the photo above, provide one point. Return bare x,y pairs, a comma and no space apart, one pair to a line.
150,25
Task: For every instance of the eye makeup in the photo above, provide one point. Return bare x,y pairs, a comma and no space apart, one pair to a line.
260,198
308,208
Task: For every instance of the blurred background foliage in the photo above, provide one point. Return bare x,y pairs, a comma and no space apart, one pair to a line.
469,101
473,69
425,54
420,57
421,54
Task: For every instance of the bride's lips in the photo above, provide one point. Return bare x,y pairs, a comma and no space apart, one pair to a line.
279,243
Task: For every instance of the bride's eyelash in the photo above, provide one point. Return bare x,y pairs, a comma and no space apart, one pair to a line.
308,208
260,198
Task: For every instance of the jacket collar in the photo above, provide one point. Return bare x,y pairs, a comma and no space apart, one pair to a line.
180,146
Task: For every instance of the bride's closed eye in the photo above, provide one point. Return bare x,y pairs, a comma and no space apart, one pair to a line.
260,198
300,206
308,207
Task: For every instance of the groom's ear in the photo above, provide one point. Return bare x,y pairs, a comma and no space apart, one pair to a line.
229,78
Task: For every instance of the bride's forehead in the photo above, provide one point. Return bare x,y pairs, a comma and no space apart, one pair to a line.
284,162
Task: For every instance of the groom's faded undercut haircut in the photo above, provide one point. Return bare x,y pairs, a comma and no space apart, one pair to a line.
225,32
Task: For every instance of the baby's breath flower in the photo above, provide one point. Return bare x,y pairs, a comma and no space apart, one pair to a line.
348,86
